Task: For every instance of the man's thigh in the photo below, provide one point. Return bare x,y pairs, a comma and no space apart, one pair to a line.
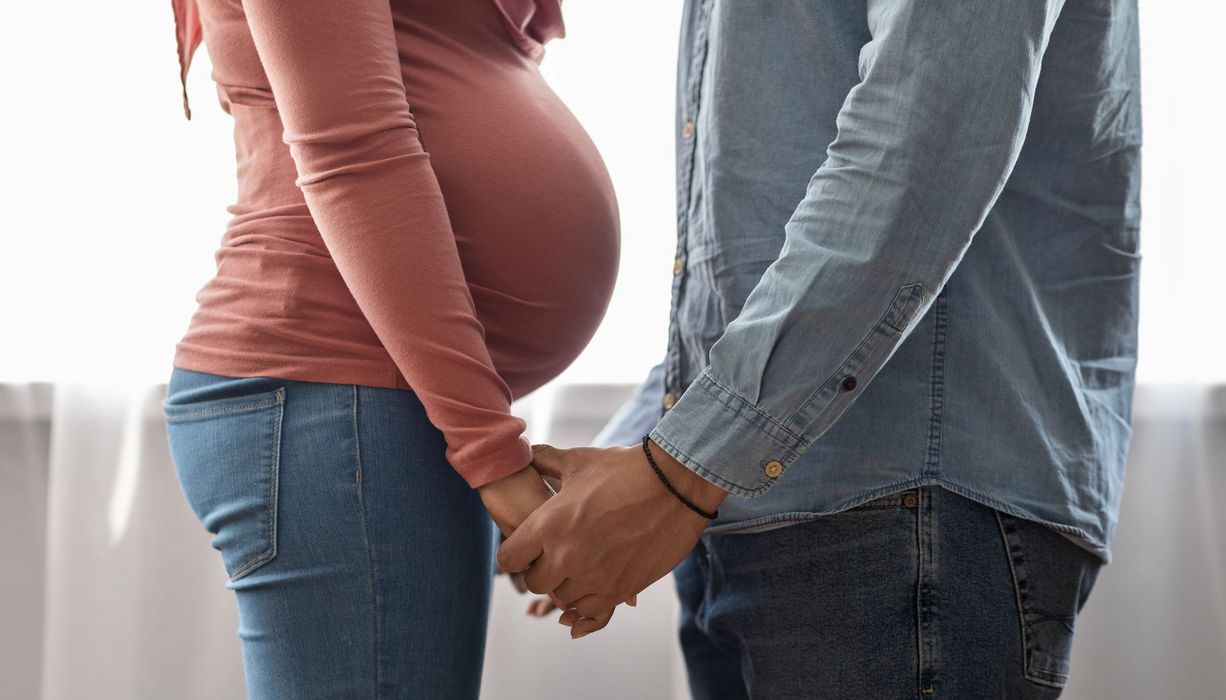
920,594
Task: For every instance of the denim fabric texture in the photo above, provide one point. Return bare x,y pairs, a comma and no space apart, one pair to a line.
918,594
907,254
361,561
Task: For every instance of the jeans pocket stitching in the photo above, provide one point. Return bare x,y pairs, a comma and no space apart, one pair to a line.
1035,666
274,490
175,413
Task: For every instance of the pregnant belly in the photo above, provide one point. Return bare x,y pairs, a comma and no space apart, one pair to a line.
530,201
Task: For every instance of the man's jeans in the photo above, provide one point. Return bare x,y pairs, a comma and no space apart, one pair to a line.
920,594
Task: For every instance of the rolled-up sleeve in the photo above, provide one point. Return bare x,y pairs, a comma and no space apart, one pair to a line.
925,143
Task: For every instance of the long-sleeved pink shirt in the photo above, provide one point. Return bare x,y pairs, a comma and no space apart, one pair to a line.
532,23
416,209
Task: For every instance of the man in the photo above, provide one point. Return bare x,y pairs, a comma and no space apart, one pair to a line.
909,395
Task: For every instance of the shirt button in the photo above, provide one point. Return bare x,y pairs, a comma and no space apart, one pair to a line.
773,468
678,266
687,131
849,383
670,399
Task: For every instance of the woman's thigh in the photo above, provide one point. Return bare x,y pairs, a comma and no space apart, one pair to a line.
361,562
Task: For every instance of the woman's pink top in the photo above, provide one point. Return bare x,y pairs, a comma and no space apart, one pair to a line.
416,208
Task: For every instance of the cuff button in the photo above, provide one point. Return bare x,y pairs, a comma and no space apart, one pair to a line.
773,468
849,383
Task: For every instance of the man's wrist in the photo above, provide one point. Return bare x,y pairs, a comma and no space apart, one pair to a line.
698,490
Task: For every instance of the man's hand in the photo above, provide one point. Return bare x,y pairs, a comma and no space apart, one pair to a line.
612,530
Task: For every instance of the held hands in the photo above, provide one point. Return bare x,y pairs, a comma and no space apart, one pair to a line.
612,530
510,500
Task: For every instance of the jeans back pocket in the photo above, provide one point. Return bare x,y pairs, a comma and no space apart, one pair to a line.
226,453
1052,578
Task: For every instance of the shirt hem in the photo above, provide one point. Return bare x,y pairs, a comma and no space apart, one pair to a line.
476,472
333,370
1078,536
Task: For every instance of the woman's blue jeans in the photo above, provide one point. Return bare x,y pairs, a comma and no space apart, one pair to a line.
362,562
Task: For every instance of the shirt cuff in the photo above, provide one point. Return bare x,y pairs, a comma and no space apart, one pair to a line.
725,439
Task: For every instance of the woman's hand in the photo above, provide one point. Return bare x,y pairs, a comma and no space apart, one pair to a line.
511,499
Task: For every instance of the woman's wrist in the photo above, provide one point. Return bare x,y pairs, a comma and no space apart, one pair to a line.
511,499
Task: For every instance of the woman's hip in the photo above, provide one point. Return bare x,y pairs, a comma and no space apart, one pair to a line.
358,555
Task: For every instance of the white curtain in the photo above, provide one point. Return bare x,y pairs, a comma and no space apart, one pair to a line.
109,588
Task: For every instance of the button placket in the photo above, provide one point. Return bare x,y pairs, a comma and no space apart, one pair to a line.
693,87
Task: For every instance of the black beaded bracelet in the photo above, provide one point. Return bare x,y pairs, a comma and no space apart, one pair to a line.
656,468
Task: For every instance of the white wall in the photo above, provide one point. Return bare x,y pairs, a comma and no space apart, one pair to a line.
111,204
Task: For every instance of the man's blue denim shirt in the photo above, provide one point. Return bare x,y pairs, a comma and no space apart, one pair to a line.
907,253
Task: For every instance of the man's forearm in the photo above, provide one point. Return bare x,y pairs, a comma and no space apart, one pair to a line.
925,144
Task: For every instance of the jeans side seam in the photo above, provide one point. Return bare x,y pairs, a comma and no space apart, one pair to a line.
926,643
370,555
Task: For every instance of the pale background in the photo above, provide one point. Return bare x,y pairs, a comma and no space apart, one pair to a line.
111,205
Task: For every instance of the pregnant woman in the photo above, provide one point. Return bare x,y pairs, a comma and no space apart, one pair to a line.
422,234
